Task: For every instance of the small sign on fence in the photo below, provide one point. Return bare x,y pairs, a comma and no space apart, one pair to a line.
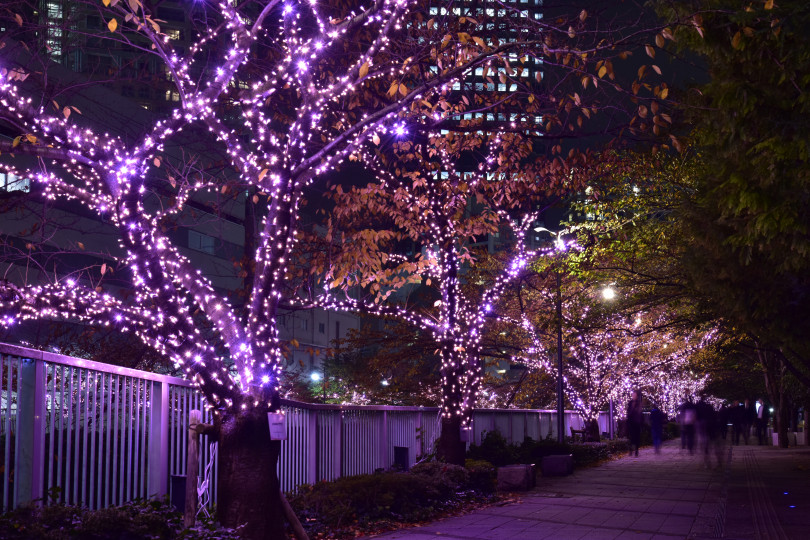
278,426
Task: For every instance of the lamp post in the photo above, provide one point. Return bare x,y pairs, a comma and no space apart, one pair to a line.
609,293
559,245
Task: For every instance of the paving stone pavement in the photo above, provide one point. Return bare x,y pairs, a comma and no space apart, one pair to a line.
758,493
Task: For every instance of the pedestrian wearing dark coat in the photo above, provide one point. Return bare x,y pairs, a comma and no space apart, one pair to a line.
635,419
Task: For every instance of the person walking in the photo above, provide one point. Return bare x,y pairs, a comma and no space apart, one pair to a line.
635,419
657,420
737,414
763,414
688,417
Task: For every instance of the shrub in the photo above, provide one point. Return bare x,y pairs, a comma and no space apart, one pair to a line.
367,497
495,449
367,501
135,520
483,476
448,478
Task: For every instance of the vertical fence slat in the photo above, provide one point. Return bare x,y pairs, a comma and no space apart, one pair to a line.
52,457
92,426
6,428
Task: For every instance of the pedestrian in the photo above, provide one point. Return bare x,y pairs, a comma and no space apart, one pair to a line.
763,415
635,419
706,426
749,415
723,418
737,414
688,417
657,420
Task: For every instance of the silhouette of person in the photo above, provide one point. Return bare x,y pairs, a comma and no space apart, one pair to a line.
657,420
763,414
635,419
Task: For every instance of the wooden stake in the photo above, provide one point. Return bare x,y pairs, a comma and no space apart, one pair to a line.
192,466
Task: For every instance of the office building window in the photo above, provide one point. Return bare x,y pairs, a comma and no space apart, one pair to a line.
322,328
11,182
201,242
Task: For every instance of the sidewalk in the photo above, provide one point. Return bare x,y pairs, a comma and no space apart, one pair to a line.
763,493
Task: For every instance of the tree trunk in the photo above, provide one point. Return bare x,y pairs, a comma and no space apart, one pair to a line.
451,449
248,494
774,370
782,423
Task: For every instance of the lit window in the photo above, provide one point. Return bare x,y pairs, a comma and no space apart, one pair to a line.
10,182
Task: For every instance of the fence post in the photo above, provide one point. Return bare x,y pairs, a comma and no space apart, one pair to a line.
30,426
337,448
384,442
312,450
158,458
192,468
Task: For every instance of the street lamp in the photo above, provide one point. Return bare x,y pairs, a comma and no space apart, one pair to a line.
608,294
316,377
559,245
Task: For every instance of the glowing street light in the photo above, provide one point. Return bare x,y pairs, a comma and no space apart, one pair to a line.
608,293
559,244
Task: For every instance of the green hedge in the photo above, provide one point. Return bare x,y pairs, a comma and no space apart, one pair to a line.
496,450
137,520
369,501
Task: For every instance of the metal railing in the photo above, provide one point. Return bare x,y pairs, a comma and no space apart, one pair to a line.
83,432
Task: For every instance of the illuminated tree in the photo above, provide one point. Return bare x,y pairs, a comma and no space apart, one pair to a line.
416,227
286,91
270,97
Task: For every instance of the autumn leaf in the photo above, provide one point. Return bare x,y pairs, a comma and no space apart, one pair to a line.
650,51
363,70
81,246
112,25
769,4
103,269
602,71
66,112
156,162
735,41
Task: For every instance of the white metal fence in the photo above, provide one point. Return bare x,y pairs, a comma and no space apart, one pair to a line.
88,433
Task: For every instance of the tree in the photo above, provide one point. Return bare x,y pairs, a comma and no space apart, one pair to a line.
285,92
751,205
425,210
270,97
